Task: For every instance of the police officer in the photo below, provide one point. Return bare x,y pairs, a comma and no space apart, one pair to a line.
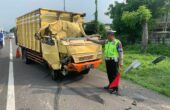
113,54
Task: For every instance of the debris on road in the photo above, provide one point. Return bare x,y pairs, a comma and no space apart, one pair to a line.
129,108
135,64
134,103
159,59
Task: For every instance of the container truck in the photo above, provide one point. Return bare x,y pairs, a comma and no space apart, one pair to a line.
57,38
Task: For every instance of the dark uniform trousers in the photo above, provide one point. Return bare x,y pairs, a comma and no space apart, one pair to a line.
112,70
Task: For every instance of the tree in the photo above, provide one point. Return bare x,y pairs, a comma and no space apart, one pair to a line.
133,34
141,16
166,12
91,27
13,30
115,12
95,27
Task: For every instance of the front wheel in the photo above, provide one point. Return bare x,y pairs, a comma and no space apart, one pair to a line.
56,75
86,71
53,74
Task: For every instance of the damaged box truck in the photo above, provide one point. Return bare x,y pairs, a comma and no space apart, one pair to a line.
57,38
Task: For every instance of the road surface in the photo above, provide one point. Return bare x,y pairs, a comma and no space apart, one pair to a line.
29,87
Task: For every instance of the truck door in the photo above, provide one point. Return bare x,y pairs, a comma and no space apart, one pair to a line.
50,53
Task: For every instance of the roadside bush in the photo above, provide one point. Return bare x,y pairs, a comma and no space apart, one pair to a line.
154,49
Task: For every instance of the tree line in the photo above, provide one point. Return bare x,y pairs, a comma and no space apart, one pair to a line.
132,20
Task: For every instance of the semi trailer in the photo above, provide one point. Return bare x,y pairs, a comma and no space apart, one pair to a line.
57,39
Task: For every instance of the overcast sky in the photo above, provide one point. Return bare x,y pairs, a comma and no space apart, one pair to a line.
10,9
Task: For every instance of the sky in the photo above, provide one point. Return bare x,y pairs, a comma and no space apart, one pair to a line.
11,9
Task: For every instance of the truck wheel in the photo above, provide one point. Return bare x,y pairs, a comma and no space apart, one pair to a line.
56,74
53,74
64,72
25,59
86,71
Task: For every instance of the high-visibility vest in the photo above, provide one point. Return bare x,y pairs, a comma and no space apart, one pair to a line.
111,49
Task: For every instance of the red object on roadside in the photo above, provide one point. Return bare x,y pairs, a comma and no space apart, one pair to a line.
116,82
18,53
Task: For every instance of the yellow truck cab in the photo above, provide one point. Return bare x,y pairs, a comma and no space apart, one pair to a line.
57,38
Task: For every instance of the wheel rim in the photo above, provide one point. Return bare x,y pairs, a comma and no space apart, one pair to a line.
64,72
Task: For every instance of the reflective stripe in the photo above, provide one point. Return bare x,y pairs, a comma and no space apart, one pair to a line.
115,59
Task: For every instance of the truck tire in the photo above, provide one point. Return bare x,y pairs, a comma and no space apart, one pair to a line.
56,75
24,57
86,71
53,74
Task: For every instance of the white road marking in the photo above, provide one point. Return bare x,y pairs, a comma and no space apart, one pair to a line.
11,94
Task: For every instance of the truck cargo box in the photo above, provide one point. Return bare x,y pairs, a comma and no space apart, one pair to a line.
57,39
31,23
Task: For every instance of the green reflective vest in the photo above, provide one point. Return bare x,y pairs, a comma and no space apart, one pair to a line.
111,49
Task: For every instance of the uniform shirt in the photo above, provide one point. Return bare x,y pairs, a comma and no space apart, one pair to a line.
119,48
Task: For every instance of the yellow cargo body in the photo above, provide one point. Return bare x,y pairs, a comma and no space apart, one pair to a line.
31,23
57,39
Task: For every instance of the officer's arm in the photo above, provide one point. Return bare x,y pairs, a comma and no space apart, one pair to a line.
120,50
101,42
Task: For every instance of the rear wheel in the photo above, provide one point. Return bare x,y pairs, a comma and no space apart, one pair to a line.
25,58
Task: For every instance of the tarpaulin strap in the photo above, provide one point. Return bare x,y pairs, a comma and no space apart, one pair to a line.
115,82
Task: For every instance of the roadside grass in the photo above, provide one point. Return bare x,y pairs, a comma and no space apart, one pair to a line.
155,77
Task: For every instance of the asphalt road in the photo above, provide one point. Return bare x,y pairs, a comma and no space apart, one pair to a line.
34,90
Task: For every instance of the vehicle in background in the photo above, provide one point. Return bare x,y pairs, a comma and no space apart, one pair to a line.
57,38
1,40
10,36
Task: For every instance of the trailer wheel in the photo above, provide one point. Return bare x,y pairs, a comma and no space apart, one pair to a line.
86,71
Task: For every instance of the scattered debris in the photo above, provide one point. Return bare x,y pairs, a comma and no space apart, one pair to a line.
159,59
129,108
135,64
134,103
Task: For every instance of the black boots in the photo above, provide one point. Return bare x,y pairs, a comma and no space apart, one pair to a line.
114,90
106,87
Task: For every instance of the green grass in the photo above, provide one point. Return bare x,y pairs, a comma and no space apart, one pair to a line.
155,77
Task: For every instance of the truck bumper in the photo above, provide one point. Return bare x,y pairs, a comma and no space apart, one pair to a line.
85,65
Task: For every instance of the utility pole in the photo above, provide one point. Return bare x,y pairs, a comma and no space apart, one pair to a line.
96,16
96,12
64,5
